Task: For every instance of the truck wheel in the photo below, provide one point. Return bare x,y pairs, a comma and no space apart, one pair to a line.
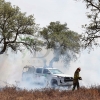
54,84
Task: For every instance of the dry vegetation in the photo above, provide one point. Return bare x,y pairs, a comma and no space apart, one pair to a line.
50,94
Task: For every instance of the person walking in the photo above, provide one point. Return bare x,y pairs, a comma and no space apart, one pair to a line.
76,79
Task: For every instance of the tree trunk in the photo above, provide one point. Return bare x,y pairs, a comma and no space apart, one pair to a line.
4,49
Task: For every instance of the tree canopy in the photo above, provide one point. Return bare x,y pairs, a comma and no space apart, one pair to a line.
92,33
16,29
64,42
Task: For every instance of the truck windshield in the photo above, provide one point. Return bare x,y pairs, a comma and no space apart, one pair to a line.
55,71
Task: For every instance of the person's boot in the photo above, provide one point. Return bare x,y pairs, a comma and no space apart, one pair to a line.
73,89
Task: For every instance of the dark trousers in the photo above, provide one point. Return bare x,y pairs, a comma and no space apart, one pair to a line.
76,84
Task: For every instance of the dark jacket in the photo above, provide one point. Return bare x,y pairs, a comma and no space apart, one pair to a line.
76,76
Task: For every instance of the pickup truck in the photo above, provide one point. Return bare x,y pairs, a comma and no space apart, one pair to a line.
51,76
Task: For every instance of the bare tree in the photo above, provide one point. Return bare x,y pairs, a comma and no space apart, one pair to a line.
92,33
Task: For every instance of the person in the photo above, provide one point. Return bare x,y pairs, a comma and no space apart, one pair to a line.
76,79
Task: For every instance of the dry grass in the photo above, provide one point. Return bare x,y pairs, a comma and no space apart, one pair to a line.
50,94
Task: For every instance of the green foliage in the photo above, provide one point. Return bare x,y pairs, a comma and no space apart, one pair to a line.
15,24
58,37
57,34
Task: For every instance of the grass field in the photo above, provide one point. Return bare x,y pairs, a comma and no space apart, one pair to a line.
11,93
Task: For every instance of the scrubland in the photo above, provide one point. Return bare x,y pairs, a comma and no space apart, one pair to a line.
12,93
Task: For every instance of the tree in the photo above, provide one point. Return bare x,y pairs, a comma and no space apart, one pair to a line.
92,33
16,29
64,42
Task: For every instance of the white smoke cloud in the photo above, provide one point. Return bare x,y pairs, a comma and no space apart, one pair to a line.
11,67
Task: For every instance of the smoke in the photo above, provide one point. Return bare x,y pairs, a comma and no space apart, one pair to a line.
66,55
89,63
11,67
55,58
33,83
90,70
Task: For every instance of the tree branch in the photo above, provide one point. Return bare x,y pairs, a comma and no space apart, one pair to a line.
1,40
91,4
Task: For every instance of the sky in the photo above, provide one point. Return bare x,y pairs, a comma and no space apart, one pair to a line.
45,11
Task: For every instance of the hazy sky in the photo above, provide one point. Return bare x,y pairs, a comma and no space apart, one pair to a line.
74,14
45,11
